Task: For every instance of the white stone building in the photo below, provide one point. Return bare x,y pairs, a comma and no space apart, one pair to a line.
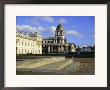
87,49
58,43
28,44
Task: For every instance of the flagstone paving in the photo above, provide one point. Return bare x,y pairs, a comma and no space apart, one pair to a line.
49,66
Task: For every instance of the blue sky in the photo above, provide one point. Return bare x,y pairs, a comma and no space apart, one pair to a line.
78,29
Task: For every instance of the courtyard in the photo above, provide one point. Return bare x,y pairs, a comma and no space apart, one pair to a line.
54,65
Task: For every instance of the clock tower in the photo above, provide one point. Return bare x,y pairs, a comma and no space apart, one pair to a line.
60,34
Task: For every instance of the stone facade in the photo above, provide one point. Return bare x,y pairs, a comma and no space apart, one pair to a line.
28,44
86,49
57,44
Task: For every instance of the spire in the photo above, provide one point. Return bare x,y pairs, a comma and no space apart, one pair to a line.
60,27
60,21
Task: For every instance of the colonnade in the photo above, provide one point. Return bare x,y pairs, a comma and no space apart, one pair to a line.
52,48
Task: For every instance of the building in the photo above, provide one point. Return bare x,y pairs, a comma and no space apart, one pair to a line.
28,44
86,49
58,43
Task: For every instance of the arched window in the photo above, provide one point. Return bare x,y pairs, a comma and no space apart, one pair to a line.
58,41
60,32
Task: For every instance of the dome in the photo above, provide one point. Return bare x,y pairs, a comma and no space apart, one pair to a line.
59,27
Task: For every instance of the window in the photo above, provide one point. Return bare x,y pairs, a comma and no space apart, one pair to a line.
25,50
33,51
25,44
19,51
22,43
22,50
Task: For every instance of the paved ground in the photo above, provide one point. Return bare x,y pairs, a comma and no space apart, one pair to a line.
51,65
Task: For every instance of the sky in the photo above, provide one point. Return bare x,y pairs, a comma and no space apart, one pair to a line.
78,29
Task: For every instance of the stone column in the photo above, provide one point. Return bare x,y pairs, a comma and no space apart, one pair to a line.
51,48
48,48
59,40
62,49
72,48
58,49
58,33
63,41
66,48
54,41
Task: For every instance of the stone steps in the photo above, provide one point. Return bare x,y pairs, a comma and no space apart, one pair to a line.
55,66
38,63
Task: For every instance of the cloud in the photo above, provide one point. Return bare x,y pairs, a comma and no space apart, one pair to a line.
74,33
52,29
29,29
41,29
35,20
26,29
43,18
47,19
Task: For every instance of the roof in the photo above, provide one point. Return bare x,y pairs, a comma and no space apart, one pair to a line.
49,38
24,36
59,27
